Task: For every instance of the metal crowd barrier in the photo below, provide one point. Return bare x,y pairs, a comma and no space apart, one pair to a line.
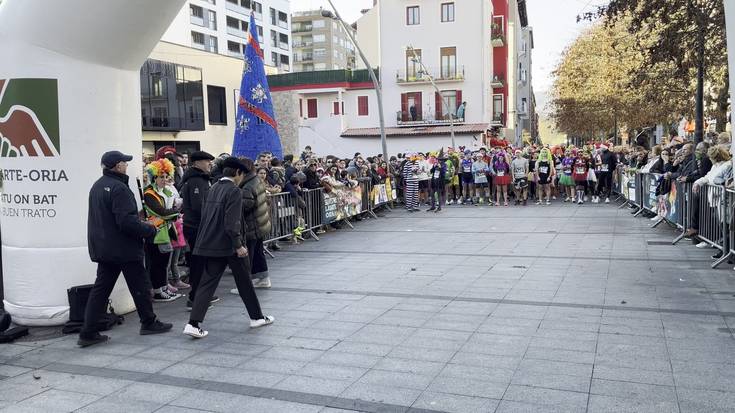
284,217
683,204
367,188
729,215
713,226
314,215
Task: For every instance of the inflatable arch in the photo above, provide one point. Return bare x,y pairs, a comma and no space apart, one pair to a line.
69,91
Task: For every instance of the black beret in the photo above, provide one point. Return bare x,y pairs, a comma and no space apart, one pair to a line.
201,156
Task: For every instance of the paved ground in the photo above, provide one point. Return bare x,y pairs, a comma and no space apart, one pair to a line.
535,309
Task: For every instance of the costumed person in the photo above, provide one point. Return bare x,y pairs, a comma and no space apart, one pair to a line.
451,178
580,174
566,181
179,243
501,167
438,175
545,173
423,175
520,169
221,242
606,169
480,169
468,179
158,201
411,182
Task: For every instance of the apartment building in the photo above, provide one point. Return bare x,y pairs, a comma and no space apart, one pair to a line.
320,43
221,26
526,102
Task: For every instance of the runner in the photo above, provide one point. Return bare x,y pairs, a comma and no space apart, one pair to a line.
501,166
545,174
520,177
580,173
468,180
566,182
479,170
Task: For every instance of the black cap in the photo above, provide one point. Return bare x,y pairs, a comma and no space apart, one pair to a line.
200,156
234,163
112,158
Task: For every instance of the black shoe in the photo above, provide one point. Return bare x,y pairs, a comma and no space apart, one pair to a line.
717,256
438,209
214,299
155,327
96,338
431,209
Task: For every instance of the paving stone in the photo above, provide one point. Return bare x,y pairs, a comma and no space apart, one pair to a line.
332,371
115,404
381,394
454,403
552,381
610,404
396,379
468,387
151,392
348,359
535,395
54,400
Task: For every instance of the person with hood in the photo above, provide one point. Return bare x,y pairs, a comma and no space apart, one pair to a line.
194,187
221,242
256,224
115,236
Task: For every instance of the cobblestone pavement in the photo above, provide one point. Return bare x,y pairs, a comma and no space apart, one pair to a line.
562,308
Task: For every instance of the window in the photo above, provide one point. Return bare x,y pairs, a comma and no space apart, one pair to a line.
447,12
452,97
320,66
197,38
319,38
284,59
412,64
260,31
318,24
234,47
283,17
283,40
524,105
274,59
196,11
448,62
171,96
335,108
311,108
498,107
301,108
257,7
216,104
362,106
212,20
411,109
273,16
412,15
212,1
213,44
274,38
244,3
233,23
320,52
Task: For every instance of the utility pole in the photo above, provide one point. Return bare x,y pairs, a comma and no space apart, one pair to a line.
445,102
700,18
376,83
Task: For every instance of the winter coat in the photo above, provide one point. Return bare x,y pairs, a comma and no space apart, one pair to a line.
256,221
114,230
194,188
220,231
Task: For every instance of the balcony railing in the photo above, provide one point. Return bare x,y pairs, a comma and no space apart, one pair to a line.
199,21
321,77
304,58
285,67
425,121
283,45
237,8
237,32
439,75
497,81
301,28
282,24
303,44
233,53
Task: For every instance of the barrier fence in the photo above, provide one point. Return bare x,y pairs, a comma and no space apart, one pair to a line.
709,208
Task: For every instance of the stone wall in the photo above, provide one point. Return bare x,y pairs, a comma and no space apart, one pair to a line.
286,108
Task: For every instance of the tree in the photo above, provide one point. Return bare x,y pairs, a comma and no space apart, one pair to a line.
691,39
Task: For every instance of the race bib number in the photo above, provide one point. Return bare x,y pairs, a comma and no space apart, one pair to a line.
467,169
605,168
543,170
437,174
567,170
501,173
581,171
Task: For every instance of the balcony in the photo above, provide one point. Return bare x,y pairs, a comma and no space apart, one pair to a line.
498,119
199,21
301,28
283,45
426,122
237,8
440,76
320,77
303,44
199,46
235,31
282,24
497,81
497,35
233,53
285,67
304,58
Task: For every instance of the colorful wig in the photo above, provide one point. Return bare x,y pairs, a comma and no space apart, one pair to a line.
545,155
158,168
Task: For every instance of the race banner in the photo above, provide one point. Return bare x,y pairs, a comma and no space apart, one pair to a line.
390,190
650,199
380,194
342,203
667,205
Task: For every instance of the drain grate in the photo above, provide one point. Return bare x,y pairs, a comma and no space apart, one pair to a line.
657,242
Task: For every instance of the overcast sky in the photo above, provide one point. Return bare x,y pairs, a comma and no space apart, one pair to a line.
554,24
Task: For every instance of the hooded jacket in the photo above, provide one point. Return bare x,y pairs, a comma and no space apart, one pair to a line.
256,221
220,230
114,230
194,187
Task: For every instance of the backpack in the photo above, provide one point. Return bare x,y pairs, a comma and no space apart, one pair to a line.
78,297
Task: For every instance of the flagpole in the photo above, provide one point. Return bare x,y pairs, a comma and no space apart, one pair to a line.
376,83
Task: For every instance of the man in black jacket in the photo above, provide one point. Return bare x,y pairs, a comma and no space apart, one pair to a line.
220,242
115,236
608,164
194,188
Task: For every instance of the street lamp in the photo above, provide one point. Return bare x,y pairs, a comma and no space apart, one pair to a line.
376,83
445,101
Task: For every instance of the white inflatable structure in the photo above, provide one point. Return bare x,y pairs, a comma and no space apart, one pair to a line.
69,91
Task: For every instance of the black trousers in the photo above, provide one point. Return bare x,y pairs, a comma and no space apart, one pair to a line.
214,268
258,263
436,190
107,273
694,214
157,262
604,184
196,262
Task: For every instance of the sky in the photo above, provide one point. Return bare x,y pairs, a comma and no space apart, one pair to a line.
554,25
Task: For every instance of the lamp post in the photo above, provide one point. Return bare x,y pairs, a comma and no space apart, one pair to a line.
445,102
376,83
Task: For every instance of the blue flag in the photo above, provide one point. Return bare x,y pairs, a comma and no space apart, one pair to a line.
256,130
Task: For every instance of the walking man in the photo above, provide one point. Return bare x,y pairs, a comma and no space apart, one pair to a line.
115,240
220,242
195,185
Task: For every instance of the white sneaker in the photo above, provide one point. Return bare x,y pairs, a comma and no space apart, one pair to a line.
195,332
702,245
586,198
268,319
263,283
607,200
538,202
